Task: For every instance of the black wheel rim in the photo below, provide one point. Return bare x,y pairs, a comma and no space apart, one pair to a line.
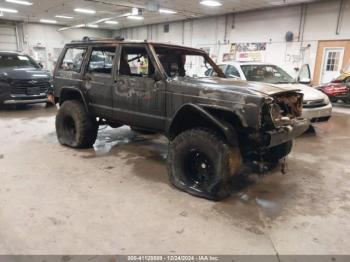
198,167
69,128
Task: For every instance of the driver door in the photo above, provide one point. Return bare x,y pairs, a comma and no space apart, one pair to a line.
138,96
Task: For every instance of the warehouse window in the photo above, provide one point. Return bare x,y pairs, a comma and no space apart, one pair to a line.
166,28
333,61
73,59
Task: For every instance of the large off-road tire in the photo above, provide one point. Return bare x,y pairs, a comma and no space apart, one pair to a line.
201,163
74,127
274,154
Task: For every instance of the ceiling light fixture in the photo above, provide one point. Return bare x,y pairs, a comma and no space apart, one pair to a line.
20,2
166,11
92,26
211,3
110,22
1,13
64,17
85,11
7,10
48,21
79,26
135,17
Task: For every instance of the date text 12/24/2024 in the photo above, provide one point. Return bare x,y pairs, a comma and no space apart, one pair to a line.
173,258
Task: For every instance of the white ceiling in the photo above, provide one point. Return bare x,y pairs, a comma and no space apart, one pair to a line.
47,9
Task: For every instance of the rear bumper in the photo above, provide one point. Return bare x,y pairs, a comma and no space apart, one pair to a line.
319,114
285,134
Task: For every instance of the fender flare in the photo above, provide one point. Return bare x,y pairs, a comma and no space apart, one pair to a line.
76,91
228,131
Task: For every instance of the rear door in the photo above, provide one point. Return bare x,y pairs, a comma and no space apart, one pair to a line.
99,79
68,73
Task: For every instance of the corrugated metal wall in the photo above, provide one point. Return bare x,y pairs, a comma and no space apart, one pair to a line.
8,37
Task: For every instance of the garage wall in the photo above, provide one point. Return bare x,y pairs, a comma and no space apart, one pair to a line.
319,22
44,42
41,41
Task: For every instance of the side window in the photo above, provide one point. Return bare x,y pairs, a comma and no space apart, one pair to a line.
101,60
73,59
134,61
232,72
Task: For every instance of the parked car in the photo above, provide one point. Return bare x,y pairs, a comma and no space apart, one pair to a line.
213,123
344,76
22,80
316,105
336,91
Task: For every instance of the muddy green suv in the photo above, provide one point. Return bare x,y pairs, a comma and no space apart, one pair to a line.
213,123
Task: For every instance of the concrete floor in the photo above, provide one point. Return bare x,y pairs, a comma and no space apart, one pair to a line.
116,199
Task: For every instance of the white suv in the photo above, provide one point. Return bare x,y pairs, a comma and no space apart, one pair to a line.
316,107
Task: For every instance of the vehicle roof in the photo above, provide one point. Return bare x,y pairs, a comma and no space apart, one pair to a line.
118,41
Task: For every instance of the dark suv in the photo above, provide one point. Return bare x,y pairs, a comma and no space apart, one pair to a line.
22,80
212,123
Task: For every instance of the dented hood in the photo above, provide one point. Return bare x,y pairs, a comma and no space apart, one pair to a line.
240,86
310,93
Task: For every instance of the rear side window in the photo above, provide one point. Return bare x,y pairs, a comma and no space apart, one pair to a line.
73,59
101,60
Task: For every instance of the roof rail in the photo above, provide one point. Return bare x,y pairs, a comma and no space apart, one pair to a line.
92,39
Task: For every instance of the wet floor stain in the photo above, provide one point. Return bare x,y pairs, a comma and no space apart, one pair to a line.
257,199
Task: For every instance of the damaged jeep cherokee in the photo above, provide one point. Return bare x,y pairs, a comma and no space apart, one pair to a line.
213,123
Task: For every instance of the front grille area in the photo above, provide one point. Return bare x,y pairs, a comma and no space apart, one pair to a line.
314,103
29,87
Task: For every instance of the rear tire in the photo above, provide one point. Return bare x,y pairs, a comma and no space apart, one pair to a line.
201,163
74,127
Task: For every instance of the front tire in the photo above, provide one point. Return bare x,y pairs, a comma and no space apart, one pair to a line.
201,163
74,127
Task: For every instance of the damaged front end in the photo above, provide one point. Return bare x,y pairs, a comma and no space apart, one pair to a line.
281,119
284,110
283,122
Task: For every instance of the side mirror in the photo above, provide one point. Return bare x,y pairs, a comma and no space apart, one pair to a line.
304,76
208,72
305,81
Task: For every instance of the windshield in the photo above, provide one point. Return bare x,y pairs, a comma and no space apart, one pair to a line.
17,61
186,63
266,73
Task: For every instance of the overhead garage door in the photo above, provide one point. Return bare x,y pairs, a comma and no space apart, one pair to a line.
8,39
